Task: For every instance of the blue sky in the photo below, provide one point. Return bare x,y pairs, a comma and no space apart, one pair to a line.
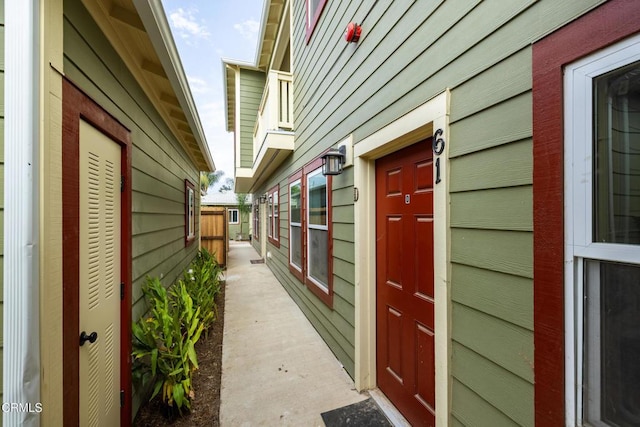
204,32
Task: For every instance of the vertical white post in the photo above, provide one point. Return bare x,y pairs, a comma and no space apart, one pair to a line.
21,364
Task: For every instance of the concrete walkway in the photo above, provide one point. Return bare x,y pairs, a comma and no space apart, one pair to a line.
276,370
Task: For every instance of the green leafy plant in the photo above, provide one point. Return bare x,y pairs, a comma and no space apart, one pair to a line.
202,282
164,343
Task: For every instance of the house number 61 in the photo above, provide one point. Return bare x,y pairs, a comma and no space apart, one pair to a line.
438,148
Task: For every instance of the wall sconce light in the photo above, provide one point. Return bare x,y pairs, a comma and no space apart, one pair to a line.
333,160
263,199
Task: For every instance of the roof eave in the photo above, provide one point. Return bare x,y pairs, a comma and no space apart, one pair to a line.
155,22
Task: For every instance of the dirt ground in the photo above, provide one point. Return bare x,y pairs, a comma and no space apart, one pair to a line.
206,383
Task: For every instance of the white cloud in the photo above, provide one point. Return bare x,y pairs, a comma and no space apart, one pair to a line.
248,29
186,24
198,85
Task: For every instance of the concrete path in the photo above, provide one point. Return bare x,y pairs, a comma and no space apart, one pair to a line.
276,370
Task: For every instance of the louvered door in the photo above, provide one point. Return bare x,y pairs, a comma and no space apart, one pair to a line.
100,222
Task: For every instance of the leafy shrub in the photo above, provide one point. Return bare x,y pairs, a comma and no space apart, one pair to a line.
202,281
163,345
164,340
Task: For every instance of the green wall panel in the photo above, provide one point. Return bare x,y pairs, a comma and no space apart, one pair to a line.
469,409
251,88
159,163
505,344
508,393
504,296
412,51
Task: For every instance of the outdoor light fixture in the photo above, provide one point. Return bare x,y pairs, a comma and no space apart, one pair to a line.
333,160
352,33
263,199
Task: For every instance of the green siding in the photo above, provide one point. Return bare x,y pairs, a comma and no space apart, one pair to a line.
251,88
337,325
1,189
159,164
410,52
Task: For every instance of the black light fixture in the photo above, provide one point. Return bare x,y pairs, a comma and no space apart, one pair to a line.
333,160
263,199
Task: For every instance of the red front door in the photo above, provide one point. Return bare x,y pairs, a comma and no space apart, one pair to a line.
405,303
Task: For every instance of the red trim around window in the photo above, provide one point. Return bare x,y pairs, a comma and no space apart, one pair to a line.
325,297
301,175
273,223
188,185
597,29
315,17
294,270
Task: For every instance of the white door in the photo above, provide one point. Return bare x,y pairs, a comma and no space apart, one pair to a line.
99,278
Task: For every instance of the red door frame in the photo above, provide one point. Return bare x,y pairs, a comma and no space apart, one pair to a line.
603,26
77,105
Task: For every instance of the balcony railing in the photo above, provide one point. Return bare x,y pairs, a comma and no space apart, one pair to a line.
276,108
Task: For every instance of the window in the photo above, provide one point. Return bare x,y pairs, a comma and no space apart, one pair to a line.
559,201
274,216
602,168
295,226
233,216
314,10
256,219
317,230
189,212
310,257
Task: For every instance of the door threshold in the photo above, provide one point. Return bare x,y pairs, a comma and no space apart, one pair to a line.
389,410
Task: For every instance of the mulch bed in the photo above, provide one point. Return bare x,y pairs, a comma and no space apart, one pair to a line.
206,383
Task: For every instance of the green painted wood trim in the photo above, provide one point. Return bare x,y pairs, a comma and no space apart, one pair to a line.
504,166
469,409
503,343
508,393
504,80
508,252
506,122
507,297
496,209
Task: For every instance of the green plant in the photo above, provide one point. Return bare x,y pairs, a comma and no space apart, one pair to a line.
163,344
202,281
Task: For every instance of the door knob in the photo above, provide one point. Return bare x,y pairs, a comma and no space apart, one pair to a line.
92,337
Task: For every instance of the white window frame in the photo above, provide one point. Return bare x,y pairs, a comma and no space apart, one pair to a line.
274,216
295,224
237,215
324,287
270,216
578,207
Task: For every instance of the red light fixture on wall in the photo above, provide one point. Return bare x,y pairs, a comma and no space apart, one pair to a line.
352,33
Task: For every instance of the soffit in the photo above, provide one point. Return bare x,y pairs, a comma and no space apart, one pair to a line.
123,26
270,24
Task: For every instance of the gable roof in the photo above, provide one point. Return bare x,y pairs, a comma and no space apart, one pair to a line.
138,30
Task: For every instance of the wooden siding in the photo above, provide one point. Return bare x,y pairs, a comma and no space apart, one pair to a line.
251,88
337,325
159,164
411,51
1,190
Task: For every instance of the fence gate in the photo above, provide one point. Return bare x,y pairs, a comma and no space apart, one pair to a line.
213,232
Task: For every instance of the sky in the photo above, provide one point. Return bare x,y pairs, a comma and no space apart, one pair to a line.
204,32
